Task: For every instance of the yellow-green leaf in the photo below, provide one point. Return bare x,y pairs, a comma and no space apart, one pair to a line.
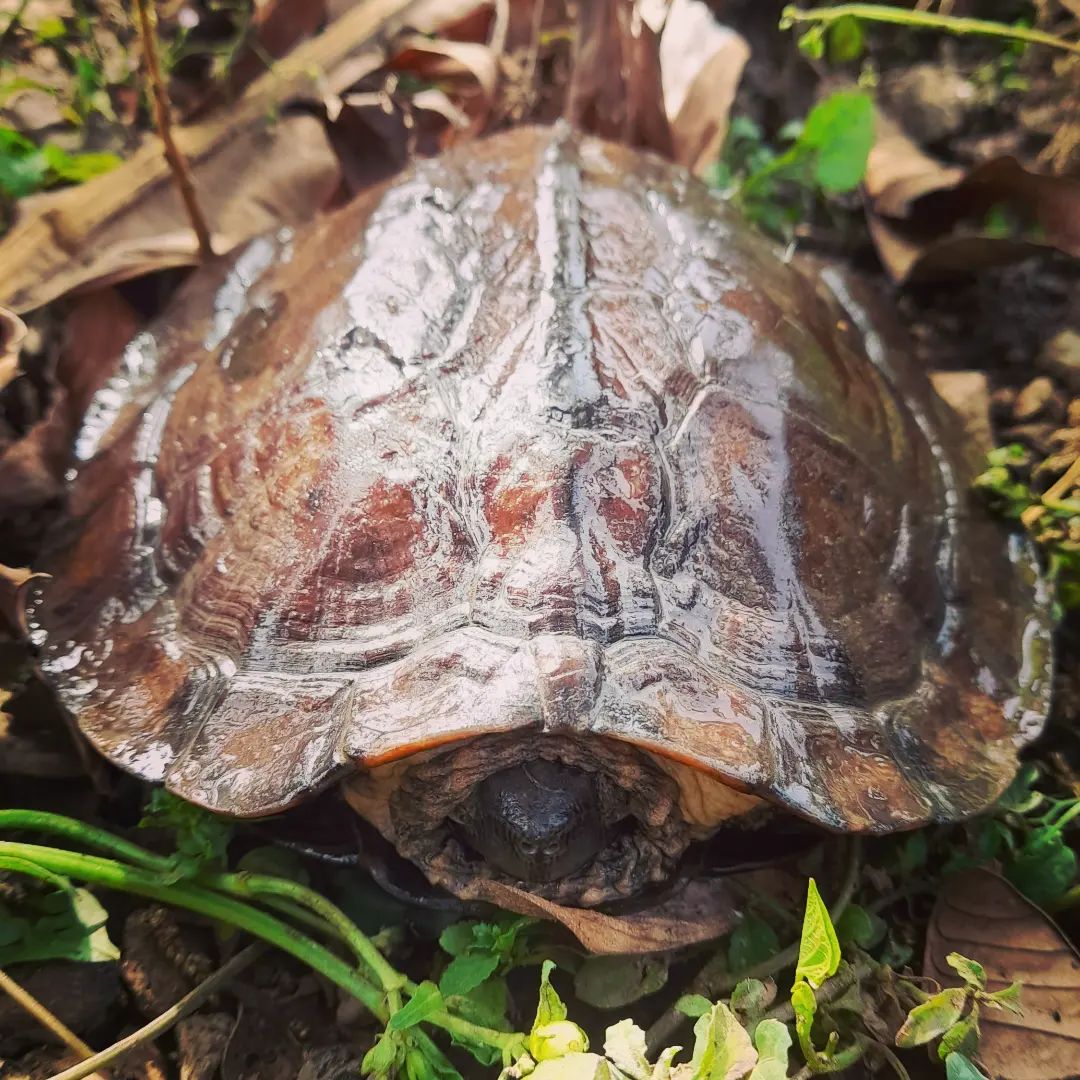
819,950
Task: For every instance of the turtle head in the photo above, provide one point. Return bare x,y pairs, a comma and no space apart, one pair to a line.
537,821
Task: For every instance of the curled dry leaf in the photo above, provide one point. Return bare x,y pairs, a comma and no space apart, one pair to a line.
701,63
982,917
12,332
694,912
467,71
252,171
928,220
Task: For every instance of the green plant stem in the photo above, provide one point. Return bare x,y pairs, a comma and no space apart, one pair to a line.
183,894
263,885
923,20
46,862
714,980
160,1024
86,835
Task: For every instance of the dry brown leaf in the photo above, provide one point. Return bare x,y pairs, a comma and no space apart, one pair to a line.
252,172
450,64
12,333
981,916
697,911
968,394
701,63
97,327
926,218
616,90
250,177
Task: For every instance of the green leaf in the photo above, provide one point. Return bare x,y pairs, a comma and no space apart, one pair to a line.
841,131
201,838
857,926
23,168
958,1067
420,1065
550,1007
722,1047
457,938
611,982
77,168
693,1005
486,1004
845,40
573,1067
913,854
819,951
773,1041
466,972
1044,868
624,1047
552,1034
65,924
385,1056
1008,998
804,1004
50,28
812,43
556,1040
932,1018
426,1001
962,1037
752,942
970,971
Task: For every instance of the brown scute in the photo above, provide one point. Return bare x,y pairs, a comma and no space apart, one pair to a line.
542,440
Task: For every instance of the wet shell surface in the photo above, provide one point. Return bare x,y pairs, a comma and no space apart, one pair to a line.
538,438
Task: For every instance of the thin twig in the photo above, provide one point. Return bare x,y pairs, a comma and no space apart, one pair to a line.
714,980
160,1024
47,1020
163,121
924,20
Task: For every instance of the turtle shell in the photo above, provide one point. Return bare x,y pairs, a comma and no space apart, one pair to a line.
539,437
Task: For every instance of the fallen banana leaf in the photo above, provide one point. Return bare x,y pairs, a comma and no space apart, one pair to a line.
929,220
981,916
252,171
12,333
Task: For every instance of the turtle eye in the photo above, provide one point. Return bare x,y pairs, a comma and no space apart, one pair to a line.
551,849
528,849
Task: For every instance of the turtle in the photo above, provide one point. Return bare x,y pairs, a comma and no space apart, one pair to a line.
552,516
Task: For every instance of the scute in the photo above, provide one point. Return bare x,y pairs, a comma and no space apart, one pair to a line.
539,436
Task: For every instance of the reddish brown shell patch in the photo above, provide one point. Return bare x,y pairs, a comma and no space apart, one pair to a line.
538,438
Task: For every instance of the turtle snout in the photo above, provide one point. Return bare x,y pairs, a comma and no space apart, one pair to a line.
537,821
